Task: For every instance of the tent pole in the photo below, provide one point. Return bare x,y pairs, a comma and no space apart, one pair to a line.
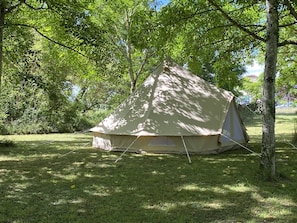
187,152
127,149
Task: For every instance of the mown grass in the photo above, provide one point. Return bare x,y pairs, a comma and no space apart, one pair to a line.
60,178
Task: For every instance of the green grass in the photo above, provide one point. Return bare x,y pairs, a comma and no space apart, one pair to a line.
60,178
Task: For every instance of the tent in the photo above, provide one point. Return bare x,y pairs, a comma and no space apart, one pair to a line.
173,111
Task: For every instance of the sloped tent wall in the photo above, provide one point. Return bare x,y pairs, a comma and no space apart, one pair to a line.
171,105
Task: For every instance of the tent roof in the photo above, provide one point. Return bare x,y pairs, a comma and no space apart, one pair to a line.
170,102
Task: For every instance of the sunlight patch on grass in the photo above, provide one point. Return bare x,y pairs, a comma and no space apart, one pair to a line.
230,159
215,204
101,191
280,201
71,201
165,206
39,156
9,158
68,177
78,163
270,212
196,187
155,172
284,125
103,165
273,207
191,187
89,175
109,156
48,137
16,189
22,157
169,206
241,187
97,193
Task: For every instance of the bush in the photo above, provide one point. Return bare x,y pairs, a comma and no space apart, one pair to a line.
3,117
28,127
89,119
63,120
6,143
3,129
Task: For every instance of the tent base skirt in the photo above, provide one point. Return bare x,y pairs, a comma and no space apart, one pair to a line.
163,144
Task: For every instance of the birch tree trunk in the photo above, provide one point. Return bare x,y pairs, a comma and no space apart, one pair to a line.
267,161
2,16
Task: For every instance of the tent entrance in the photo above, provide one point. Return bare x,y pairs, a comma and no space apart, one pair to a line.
233,129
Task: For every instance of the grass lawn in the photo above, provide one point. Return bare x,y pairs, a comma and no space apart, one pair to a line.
61,178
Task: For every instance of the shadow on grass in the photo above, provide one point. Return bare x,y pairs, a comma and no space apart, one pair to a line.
67,182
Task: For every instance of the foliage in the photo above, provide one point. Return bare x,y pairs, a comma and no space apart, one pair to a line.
253,88
287,82
128,37
6,143
43,63
211,47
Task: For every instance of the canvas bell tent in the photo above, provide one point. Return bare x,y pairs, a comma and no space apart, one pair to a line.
173,111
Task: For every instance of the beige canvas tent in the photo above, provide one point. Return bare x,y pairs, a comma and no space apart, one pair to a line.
173,111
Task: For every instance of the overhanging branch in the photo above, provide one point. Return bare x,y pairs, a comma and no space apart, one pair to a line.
50,39
235,23
288,42
32,7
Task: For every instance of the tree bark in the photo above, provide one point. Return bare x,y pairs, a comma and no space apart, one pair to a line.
128,55
2,16
267,162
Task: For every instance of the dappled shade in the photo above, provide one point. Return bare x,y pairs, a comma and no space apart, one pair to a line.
170,104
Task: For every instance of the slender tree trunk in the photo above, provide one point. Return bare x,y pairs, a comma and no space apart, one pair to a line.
128,55
130,68
2,15
267,162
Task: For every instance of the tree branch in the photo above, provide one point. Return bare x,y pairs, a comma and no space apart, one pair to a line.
288,42
260,28
291,8
197,12
146,56
289,24
50,39
235,23
31,7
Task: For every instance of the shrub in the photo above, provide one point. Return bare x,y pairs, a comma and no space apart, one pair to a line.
89,119
6,143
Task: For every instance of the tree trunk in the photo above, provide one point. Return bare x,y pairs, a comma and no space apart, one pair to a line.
267,162
128,55
2,15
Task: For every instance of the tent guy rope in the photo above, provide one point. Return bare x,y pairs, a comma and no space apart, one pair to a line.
251,151
127,149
